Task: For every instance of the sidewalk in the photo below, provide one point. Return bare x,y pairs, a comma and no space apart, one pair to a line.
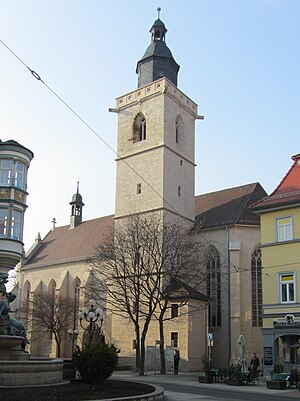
191,379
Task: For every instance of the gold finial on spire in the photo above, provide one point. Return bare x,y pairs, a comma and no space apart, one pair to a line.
158,11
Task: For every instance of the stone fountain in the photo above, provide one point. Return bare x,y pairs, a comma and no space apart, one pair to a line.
17,368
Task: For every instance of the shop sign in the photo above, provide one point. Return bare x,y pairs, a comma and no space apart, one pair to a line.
287,321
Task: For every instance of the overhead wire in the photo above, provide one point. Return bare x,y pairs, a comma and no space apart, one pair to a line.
38,77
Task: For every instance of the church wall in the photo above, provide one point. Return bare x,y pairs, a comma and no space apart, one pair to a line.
191,336
39,278
242,242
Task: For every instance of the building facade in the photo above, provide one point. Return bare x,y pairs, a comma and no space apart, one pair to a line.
230,232
280,244
155,174
14,163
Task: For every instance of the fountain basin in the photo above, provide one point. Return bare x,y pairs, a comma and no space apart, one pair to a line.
10,348
31,372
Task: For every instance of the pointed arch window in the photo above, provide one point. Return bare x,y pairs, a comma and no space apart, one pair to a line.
139,128
256,281
213,271
178,129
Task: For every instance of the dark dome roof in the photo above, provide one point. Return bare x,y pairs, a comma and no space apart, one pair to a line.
158,22
157,49
77,198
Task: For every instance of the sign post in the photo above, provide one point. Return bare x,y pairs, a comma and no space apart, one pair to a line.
210,343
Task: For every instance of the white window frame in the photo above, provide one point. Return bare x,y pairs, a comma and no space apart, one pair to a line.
285,286
4,222
16,223
284,231
20,174
6,172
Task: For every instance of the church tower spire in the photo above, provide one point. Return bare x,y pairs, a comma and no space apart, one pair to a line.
157,62
156,139
76,209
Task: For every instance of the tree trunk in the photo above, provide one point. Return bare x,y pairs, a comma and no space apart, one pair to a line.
142,356
162,347
58,349
137,347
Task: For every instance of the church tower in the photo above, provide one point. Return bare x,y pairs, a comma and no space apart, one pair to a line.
155,145
76,209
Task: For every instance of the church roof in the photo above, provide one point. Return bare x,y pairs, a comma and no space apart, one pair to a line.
228,206
178,289
63,244
288,191
216,209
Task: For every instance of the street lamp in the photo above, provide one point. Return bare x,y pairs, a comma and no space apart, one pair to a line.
91,315
73,334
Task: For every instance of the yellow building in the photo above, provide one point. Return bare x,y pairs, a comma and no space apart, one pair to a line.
280,244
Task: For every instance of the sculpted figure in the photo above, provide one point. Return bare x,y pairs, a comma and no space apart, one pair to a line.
9,325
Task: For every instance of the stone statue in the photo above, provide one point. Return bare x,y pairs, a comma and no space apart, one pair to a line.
9,325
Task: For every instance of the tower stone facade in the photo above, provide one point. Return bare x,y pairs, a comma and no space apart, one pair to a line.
156,130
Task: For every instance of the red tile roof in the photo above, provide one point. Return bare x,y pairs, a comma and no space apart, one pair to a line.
64,244
287,192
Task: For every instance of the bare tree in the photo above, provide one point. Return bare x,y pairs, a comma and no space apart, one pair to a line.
134,269
184,278
49,312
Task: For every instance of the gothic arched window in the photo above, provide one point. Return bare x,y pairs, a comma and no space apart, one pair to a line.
178,129
213,270
139,128
256,281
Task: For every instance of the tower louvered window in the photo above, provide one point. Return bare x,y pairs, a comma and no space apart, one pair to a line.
139,128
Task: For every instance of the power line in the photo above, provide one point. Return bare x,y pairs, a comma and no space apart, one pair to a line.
38,77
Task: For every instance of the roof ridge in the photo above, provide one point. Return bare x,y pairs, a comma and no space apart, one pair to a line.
229,189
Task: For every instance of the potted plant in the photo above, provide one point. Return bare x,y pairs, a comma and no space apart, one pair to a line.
234,376
276,382
277,369
207,366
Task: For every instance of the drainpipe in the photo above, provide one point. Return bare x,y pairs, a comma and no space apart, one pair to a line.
229,295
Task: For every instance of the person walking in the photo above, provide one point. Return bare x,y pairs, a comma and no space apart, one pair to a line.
176,360
254,364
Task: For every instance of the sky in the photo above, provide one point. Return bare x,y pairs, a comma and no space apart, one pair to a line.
240,62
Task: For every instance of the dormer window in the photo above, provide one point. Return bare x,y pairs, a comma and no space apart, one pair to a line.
139,128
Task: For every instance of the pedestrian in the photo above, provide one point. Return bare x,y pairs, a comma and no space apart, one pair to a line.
254,364
176,360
